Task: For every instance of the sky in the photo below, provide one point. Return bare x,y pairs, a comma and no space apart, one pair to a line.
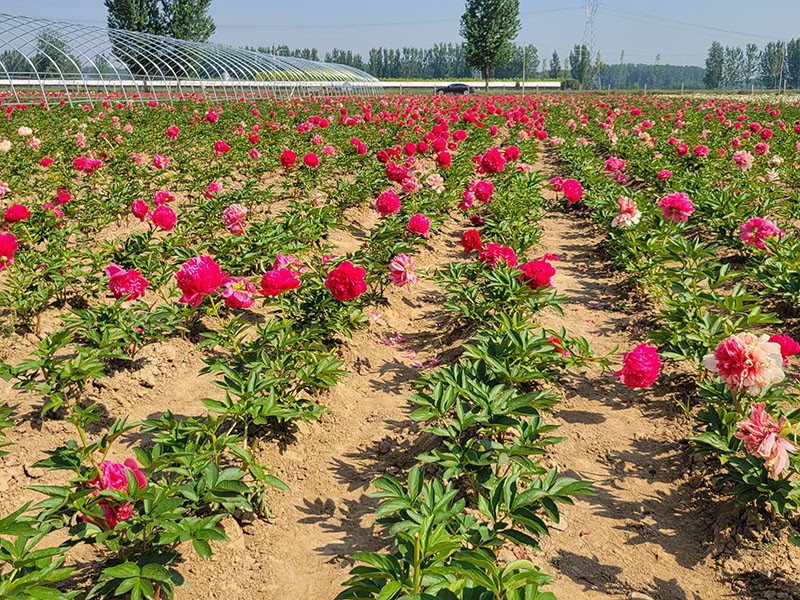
681,31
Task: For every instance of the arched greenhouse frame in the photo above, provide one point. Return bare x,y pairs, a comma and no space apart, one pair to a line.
44,61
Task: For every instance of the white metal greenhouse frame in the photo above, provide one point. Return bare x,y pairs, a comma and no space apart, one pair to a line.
49,61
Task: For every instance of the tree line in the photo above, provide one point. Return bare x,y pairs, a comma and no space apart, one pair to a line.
775,66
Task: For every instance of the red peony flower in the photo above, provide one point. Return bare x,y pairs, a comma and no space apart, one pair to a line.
311,160
492,161
16,212
471,240
129,285
444,160
198,277
346,282
640,367
276,281
62,197
288,158
536,273
46,161
221,147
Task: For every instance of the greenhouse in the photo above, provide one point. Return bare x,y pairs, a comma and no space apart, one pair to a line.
43,61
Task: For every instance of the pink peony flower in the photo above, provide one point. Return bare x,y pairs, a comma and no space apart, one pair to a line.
16,212
676,207
761,149
664,174
493,254
755,232
700,151
537,273
746,363
765,438
557,183
162,197
213,189
388,203
8,246
160,161
346,282
277,281
628,215
173,132
471,240
62,197
129,284
558,345
113,476
401,270
410,185
4,189
640,367
789,347
419,224
139,209
743,159
614,164
233,216
483,190
511,153
199,276
46,161
221,147
573,190
435,182
163,217
238,293
444,159
294,264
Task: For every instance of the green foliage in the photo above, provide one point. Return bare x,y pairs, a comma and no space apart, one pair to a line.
489,27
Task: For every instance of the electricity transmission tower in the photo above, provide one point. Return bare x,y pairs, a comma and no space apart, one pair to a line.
589,37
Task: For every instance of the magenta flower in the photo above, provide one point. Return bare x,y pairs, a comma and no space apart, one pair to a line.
664,174
129,284
755,232
493,254
471,240
614,164
213,189
492,161
387,203
113,476
419,224
199,276
160,161
173,132
233,216
311,160
573,190
221,147
536,273
640,367
16,212
401,270
238,293
139,209
765,438
8,246
676,207
789,347
164,217
277,281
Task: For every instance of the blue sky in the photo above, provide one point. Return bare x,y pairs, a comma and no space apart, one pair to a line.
680,30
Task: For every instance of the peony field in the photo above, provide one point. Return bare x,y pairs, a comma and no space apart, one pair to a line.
400,347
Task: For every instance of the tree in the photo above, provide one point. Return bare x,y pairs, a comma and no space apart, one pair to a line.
621,78
793,63
580,65
555,66
489,26
733,66
53,58
714,62
181,19
750,63
773,65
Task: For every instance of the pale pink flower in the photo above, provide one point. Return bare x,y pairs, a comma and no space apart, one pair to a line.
746,363
24,131
629,214
4,189
743,159
5,146
435,182
765,438
80,140
401,270
290,262
34,143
